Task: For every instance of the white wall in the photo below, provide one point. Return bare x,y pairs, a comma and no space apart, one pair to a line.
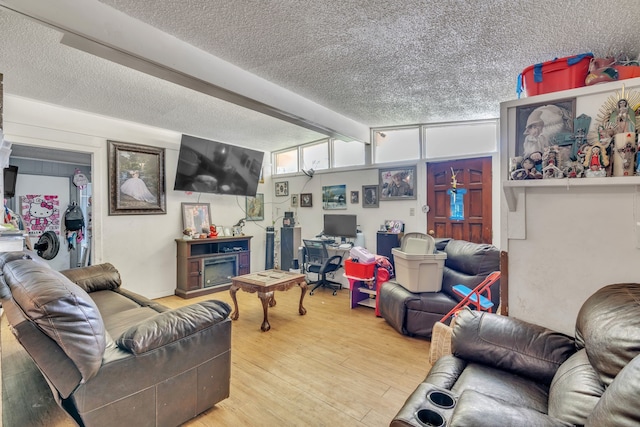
142,247
566,239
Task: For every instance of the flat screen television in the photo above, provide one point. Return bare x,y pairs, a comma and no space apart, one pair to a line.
336,225
10,177
207,166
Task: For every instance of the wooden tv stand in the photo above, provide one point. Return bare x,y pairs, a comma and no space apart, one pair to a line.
197,259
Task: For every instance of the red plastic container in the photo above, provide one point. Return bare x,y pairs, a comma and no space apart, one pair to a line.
360,270
552,76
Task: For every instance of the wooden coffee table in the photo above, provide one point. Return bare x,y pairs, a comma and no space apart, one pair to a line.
265,283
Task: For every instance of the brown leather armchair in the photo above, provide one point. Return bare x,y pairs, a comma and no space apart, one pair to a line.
506,372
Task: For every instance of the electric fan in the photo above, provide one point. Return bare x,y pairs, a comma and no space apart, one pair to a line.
48,245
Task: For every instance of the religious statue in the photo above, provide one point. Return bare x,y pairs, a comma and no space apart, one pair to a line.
595,161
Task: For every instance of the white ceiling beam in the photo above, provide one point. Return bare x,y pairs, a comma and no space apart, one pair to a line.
98,29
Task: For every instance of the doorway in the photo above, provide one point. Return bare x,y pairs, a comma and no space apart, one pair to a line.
50,171
470,219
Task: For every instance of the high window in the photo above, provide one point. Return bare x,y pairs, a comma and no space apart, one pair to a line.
394,145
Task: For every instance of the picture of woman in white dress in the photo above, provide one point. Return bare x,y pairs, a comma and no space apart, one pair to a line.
136,188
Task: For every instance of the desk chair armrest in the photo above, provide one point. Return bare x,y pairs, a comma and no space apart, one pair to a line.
332,264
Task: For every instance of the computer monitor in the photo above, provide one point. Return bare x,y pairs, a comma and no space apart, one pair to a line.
340,225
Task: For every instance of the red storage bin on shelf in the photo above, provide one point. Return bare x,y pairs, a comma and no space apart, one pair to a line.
359,270
551,76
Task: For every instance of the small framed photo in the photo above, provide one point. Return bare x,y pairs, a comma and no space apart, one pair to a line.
255,207
398,183
282,188
306,200
370,197
294,200
136,179
196,216
355,197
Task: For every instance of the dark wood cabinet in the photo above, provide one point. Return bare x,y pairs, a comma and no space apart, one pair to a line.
385,242
207,265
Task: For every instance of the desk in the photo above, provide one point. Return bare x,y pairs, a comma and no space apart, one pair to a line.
265,283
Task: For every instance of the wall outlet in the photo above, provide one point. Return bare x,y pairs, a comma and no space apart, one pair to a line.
412,211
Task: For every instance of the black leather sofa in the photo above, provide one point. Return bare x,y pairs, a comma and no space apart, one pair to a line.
112,357
414,314
506,372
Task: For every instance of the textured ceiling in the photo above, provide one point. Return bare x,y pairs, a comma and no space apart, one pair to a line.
380,63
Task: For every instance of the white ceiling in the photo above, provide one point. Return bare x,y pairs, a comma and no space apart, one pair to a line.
369,63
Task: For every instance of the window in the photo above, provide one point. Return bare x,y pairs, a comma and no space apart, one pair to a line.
471,138
286,161
347,153
393,145
315,156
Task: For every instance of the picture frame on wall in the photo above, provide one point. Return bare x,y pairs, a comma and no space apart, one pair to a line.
306,200
370,196
282,188
539,126
355,197
196,216
294,200
334,197
398,183
254,207
136,181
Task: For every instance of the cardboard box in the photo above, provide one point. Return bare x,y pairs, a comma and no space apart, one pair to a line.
419,272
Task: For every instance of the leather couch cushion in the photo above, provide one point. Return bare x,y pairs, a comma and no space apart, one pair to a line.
506,386
619,404
61,309
478,410
100,277
511,344
575,390
472,258
608,326
173,325
6,257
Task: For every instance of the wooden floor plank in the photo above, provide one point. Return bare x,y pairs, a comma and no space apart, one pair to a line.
334,366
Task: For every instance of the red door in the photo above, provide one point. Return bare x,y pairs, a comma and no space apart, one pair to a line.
472,175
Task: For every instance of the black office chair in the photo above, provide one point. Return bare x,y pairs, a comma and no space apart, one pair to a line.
317,261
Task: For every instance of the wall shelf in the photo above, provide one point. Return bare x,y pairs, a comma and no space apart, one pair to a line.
513,190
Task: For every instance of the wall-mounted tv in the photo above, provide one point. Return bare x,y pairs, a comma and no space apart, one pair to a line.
10,177
215,167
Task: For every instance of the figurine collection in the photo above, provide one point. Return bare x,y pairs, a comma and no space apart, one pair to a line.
554,146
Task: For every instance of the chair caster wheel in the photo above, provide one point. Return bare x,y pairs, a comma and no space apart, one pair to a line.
335,293
311,293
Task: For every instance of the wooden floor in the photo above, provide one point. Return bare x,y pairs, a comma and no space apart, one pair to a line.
335,367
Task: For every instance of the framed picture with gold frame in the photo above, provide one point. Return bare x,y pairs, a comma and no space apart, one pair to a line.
136,179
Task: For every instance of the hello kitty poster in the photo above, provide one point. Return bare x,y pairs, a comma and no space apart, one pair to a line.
41,213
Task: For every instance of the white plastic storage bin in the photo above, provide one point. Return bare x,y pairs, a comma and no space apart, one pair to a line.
419,272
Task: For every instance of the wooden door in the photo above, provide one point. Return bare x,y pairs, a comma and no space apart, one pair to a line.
472,175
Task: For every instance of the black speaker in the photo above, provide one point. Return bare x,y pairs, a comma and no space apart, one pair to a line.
268,264
290,241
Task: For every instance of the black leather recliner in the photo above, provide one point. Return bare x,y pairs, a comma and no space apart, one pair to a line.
414,314
507,372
